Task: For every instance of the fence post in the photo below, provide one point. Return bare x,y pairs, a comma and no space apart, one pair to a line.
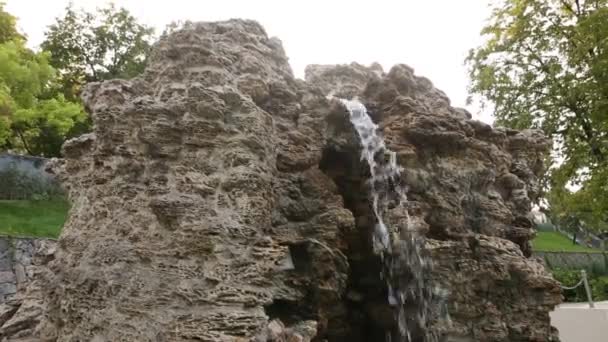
587,289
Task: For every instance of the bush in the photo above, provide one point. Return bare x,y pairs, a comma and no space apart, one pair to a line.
597,282
545,227
598,268
599,288
18,184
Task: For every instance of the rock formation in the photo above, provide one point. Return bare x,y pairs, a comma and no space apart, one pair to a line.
20,259
221,199
24,265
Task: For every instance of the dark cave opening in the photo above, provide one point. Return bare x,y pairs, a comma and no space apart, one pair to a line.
300,256
289,312
369,315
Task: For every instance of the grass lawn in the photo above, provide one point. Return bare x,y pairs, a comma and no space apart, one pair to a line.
556,242
32,218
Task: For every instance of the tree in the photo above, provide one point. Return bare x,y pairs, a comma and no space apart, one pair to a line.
87,47
23,73
39,104
43,128
544,65
8,26
33,118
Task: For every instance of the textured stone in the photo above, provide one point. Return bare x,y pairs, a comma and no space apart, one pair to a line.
21,314
21,277
16,263
5,264
22,323
221,199
470,189
6,312
7,277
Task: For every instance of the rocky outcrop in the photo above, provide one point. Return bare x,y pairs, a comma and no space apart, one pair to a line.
470,189
19,259
221,199
21,308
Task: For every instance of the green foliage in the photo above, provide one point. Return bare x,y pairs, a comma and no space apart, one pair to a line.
33,118
33,218
8,26
47,125
23,74
597,281
87,47
39,105
16,184
545,65
29,122
545,227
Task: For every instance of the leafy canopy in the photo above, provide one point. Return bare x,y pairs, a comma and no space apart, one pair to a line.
8,26
39,91
94,46
32,119
544,65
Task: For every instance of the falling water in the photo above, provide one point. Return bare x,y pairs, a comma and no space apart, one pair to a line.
399,245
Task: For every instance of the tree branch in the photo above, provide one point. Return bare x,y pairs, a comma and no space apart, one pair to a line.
25,145
568,6
585,124
589,136
87,60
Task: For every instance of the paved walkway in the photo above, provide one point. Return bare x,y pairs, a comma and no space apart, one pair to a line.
576,322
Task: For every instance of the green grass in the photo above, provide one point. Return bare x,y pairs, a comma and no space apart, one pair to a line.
556,242
32,218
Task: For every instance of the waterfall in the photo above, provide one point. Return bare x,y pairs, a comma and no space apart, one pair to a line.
399,245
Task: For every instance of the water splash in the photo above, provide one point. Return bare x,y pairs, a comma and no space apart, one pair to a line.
399,245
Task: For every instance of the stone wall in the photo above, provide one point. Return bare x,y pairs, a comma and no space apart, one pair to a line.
573,260
16,261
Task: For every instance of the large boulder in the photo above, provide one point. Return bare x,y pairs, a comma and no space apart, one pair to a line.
221,199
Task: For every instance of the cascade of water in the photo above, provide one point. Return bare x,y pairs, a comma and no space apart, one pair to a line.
399,246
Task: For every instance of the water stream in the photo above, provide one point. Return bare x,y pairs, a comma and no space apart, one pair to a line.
398,244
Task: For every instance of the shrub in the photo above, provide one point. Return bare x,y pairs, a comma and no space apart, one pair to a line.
18,184
598,268
568,278
545,227
599,288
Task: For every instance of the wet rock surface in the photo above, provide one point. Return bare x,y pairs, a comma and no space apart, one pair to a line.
221,199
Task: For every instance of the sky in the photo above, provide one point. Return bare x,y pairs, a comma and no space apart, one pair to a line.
432,36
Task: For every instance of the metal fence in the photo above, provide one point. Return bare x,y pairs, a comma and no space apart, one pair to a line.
583,282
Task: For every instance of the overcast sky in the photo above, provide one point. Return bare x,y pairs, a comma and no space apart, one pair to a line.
432,36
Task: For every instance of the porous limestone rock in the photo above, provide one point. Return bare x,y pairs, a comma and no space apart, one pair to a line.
221,199
470,189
